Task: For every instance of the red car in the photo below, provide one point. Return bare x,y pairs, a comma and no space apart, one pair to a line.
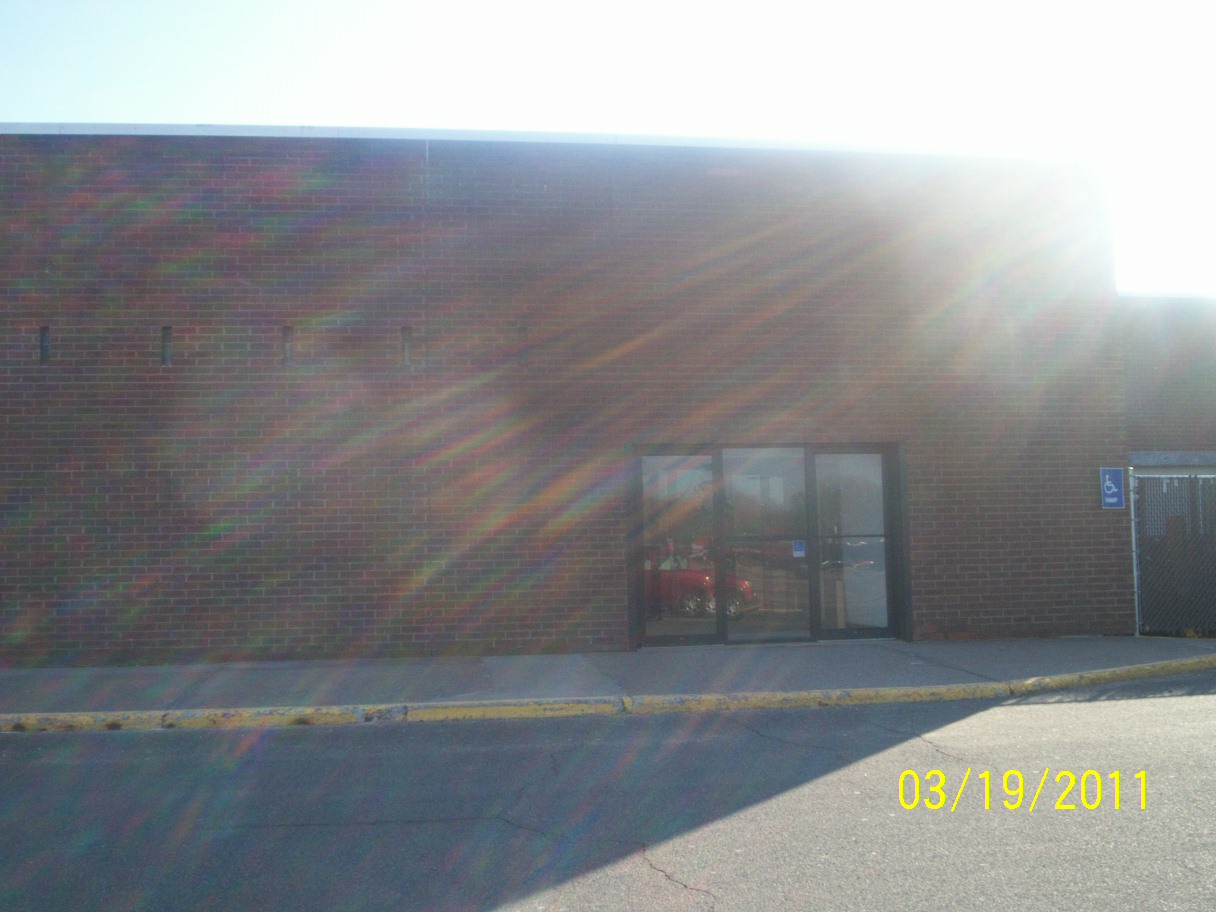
686,587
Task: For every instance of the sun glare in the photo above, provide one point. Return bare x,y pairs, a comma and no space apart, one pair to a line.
1122,84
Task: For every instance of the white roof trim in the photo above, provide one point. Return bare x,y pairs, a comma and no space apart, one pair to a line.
323,132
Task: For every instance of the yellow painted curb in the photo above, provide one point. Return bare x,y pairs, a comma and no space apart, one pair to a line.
514,709
279,717
385,712
1111,675
146,720
84,721
669,703
265,717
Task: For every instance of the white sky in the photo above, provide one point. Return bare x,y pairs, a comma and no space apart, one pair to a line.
1128,85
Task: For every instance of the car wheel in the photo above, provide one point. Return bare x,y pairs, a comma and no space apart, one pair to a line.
690,604
732,605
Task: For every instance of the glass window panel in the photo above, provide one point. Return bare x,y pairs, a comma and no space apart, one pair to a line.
765,492
677,498
849,486
853,583
865,582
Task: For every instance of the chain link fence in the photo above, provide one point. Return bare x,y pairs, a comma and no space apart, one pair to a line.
1176,553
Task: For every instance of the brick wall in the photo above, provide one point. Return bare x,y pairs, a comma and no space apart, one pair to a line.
407,381
1171,374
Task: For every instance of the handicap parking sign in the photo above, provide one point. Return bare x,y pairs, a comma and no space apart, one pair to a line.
1112,489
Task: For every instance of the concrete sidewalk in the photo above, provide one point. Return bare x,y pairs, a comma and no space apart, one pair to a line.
656,679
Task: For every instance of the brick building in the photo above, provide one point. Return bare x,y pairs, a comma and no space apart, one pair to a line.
325,396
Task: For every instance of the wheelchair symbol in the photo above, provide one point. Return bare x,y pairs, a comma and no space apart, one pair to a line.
1112,489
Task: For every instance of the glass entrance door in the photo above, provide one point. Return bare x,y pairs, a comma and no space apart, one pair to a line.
852,544
750,544
763,581
677,568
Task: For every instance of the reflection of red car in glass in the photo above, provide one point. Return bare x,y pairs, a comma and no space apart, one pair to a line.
684,587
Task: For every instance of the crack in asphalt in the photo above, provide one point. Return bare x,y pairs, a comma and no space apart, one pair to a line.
523,827
549,835
919,737
808,745
645,851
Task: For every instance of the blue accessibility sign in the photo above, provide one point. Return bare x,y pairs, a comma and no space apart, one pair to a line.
1112,489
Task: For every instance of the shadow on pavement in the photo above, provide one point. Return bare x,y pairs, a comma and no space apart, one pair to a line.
435,816
439,816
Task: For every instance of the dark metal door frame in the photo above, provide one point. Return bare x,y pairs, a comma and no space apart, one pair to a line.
898,588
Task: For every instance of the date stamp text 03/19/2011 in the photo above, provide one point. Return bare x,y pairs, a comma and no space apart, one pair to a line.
1071,791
